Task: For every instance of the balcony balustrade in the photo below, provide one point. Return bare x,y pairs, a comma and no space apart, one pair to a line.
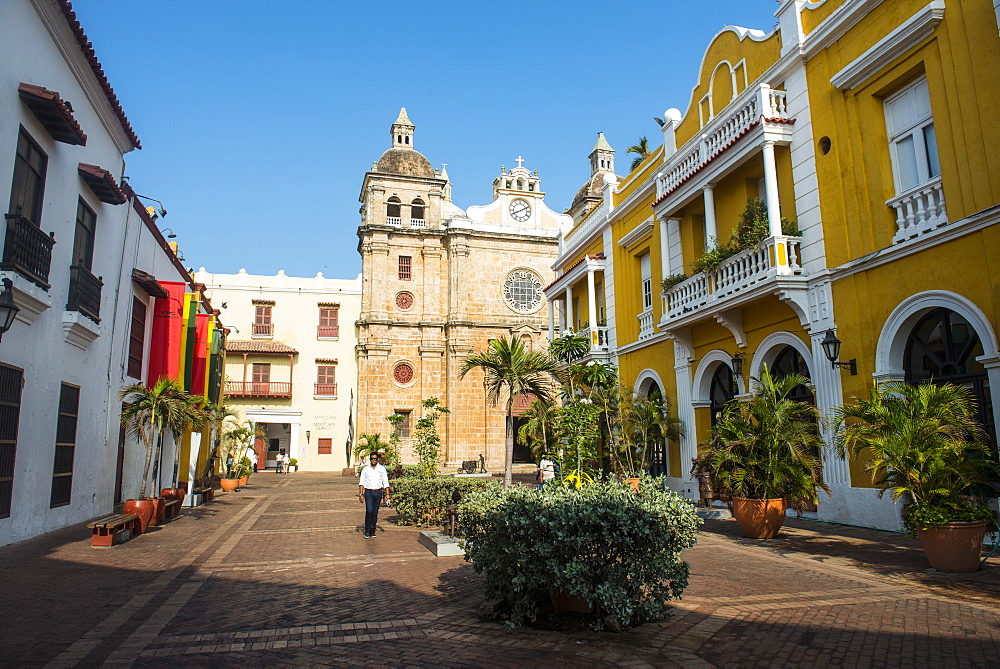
774,257
919,210
328,331
325,390
394,221
752,105
262,330
84,293
646,324
282,389
598,337
27,250
418,223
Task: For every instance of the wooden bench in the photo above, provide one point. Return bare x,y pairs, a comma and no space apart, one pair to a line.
116,529
171,508
205,492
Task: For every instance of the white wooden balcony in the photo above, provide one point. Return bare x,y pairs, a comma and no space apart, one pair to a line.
646,324
394,221
919,210
739,116
769,268
418,223
598,338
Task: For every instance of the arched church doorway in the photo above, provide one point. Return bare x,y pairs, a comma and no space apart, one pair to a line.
522,451
942,348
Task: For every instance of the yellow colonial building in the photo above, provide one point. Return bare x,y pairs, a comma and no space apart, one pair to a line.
831,179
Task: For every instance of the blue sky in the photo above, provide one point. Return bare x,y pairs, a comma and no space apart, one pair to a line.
259,119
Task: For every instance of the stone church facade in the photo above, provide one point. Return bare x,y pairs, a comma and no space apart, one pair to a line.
438,284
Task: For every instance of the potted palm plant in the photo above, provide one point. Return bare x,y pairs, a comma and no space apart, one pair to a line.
643,422
921,443
765,452
146,414
236,436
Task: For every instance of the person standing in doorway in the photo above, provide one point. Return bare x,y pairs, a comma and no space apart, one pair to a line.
373,485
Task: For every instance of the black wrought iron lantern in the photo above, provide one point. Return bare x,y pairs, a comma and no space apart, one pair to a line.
831,348
8,310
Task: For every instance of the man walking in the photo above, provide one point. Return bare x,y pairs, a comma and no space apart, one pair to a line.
374,483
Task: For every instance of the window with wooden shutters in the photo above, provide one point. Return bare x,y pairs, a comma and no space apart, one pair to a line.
326,380
263,326
329,322
325,446
137,338
28,185
86,229
261,378
62,468
405,268
11,382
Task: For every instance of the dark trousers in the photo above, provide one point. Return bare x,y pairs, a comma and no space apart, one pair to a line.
373,500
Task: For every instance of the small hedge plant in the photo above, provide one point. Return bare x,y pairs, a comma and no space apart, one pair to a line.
422,501
616,548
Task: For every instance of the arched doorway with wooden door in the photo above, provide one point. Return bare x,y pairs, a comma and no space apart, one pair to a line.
522,450
648,385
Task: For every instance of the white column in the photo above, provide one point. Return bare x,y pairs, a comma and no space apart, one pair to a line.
192,464
569,307
293,439
771,189
552,319
711,229
664,249
685,411
592,309
829,393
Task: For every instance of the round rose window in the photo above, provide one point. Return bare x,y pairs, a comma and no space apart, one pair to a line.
523,291
404,300
403,373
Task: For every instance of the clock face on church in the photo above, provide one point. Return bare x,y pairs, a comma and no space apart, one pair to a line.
522,291
520,210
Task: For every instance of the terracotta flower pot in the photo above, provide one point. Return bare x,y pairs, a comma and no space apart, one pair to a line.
160,509
759,518
245,479
563,602
173,493
144,508
954,546
229,485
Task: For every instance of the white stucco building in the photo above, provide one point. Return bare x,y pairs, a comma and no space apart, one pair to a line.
84,261
290,361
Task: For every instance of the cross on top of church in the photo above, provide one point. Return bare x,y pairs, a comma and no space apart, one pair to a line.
519,161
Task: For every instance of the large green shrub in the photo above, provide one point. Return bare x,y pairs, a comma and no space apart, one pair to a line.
421,501
616,548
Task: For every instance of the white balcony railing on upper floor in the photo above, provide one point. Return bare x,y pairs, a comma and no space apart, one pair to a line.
598,337
775,256
394,220
418,223
919,210
751,105
646,324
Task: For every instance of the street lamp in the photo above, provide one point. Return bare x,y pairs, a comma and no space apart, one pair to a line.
831,348
737,363
8,310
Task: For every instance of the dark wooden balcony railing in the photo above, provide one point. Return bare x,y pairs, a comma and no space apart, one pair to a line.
27,250
263,330
84,293
325,390
259,389
328,331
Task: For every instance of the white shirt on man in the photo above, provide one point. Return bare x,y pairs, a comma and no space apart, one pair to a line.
374,478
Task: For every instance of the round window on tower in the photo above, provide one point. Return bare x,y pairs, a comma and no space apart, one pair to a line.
402,374
404,300
522,291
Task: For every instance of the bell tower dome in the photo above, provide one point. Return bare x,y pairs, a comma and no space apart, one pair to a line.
602,157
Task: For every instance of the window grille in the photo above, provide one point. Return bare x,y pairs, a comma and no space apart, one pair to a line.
62,468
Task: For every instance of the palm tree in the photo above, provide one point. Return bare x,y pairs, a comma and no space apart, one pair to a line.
766,447
644,422
922,443
147,412
539,430
641,149
512,370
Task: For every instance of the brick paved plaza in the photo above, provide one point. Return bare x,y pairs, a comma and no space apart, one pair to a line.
278,573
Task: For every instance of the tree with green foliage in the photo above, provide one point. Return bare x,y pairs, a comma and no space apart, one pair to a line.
767,446
922,443
426,442
644,422
641,149
539,431
148,412
510,370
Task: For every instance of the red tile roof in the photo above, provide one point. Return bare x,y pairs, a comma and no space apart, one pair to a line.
88,52
255,346
595,256
102,183
53,113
